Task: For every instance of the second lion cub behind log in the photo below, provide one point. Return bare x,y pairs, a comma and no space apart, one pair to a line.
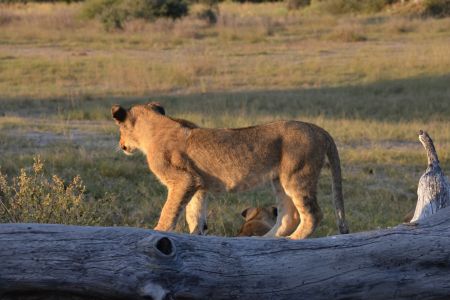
191,161
258,220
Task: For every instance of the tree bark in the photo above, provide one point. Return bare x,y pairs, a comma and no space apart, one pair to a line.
405,262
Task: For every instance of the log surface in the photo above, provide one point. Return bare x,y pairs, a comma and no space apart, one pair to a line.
405,262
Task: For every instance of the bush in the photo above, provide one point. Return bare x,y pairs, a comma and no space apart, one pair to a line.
38,1
114,13
32,197
152,9
296,4
256,1
208,11
348,33
437,8
337,7
208,14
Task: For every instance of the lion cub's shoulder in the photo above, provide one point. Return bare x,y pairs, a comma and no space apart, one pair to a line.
185,123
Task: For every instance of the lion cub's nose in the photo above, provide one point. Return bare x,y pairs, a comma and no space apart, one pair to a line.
124,148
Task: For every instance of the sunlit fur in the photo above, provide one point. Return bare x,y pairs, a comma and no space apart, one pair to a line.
191,161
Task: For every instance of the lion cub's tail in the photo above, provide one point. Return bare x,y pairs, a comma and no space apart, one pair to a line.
338,198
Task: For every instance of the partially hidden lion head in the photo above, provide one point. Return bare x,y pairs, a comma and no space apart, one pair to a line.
258,220
126,119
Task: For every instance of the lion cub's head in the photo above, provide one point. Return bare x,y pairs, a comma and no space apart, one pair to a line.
126,119
258,220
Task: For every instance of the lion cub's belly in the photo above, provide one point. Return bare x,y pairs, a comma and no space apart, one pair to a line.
246,183
235,160
236,180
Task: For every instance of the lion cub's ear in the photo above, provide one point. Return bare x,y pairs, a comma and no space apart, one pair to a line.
249,212
156,106
118,113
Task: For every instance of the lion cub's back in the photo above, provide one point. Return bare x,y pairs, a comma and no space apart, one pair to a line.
242,157
236,159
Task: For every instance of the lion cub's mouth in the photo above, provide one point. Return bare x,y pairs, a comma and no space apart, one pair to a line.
129,153
128,150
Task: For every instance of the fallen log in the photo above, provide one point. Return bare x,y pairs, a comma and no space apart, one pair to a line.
410,261
405,262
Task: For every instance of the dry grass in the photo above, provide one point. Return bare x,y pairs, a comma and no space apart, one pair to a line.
381,157
351,31
47,51
373,81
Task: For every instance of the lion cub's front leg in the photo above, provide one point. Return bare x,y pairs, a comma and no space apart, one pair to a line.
177,198
196,213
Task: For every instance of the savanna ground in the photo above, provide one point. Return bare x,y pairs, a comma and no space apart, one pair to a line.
372,81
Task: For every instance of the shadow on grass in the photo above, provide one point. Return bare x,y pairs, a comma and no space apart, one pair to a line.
423,98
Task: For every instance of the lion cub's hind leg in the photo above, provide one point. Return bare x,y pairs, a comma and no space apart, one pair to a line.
287,218
196,211
301,187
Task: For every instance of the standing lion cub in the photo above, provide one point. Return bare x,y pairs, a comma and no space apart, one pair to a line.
191,161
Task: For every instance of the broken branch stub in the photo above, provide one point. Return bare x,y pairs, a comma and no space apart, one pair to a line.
433,191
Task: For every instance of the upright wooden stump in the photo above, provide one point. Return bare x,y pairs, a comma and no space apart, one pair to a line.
433,191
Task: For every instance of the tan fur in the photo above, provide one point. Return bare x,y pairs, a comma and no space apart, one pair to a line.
191,161
258,221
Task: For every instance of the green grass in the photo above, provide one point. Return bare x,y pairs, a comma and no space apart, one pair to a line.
372,81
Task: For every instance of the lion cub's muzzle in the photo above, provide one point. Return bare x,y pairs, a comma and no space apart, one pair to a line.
127,150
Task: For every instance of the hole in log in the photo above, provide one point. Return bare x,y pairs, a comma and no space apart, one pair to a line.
164,245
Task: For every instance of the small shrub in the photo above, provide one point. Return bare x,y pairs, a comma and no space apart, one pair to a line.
109,12
400,25
297,4
32,197
437,8
348,33
209,11
338,7
372,6
208,14
114,13
38,1
152,9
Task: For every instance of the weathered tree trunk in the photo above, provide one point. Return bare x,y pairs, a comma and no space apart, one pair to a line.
405,262
434,189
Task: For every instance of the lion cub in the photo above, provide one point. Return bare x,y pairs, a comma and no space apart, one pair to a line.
192,161
258,220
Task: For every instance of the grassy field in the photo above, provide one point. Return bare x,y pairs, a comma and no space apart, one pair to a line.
372,81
